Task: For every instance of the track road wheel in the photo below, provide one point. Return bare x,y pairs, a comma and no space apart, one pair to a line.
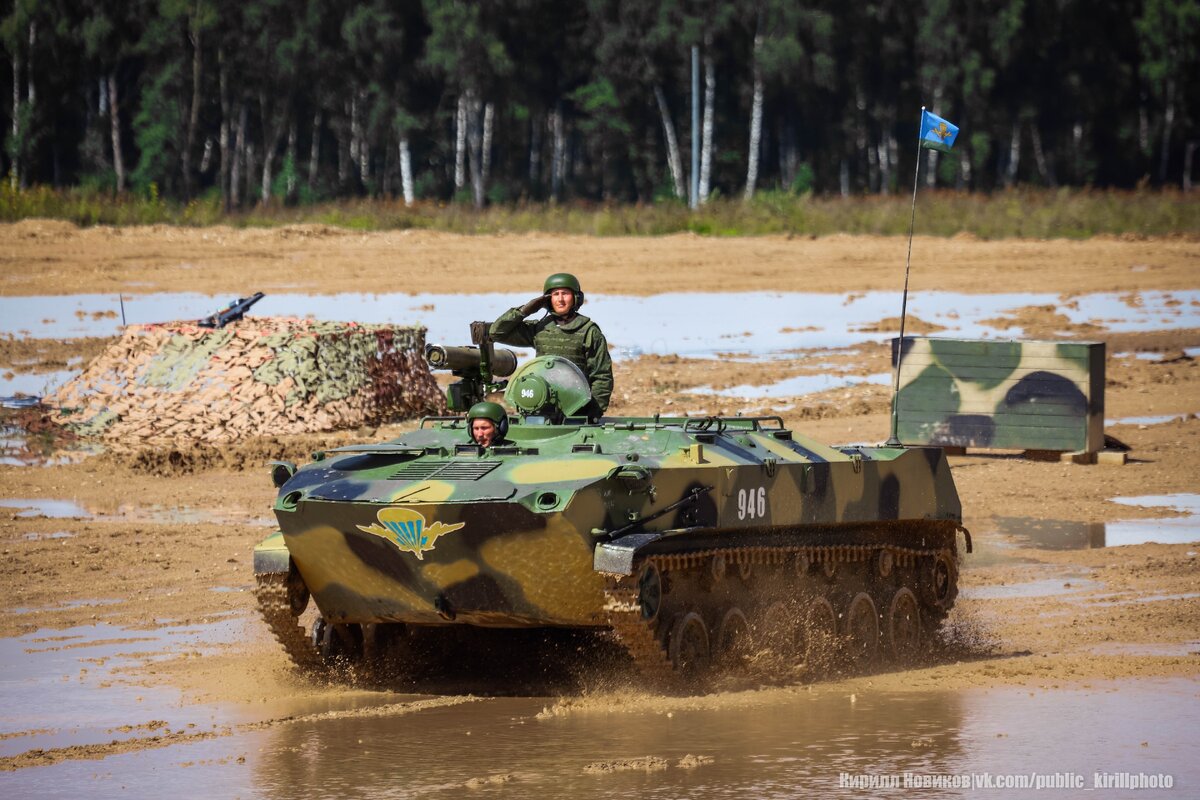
820,634
904,626
337,642
862,631
688,648
733,644
650,592
779,631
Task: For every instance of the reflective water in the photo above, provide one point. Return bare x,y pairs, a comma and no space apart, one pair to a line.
1047,587
1055,534
755,324
1181,501
1158,419
62,688
156,513
794,386
75,687
689,323
46,507
33,384
35,537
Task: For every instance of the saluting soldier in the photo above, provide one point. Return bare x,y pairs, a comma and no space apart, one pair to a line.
563,332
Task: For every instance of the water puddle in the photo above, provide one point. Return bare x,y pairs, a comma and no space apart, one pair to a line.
49,508
1181,501
84,670
33,384
154,513
1158,419
1054,534
1190,352
768,744
684,323
37,537
794,386
1049,587
19,448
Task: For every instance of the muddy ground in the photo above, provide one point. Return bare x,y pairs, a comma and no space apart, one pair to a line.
162,539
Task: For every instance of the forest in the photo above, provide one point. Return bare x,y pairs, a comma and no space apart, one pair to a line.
287,102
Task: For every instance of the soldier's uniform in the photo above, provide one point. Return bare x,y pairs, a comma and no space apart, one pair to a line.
576,338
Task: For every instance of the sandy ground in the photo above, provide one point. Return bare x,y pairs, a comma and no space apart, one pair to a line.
45,257
168,535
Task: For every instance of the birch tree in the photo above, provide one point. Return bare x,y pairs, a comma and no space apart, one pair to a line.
1169,41
18,33
466,49
111,31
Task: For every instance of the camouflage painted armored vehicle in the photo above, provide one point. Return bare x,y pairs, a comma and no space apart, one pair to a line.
695,541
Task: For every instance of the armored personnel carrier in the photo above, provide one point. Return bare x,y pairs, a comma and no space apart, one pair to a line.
698,542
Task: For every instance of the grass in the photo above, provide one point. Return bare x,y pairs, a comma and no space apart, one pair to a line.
1027,213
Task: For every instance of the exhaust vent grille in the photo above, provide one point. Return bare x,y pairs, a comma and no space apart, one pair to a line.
444,470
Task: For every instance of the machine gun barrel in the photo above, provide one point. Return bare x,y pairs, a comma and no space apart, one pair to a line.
467,359
231,313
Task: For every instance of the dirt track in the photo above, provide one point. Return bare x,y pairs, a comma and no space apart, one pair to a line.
44,257
1133,611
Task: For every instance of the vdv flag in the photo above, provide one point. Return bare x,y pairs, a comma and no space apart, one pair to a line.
937,133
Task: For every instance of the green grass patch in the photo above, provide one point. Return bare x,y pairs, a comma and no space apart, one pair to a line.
1025,213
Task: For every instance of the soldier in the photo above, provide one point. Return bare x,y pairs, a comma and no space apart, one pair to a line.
487,423
563,332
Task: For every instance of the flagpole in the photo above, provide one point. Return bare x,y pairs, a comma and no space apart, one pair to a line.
894,439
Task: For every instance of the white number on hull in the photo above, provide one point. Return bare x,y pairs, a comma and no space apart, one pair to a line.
752,503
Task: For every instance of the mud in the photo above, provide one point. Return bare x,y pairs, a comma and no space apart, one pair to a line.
134,662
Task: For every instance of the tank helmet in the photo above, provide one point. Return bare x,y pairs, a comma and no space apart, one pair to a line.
564,280
489,411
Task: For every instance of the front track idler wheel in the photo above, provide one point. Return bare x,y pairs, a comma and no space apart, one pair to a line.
688,647
861,632
904,626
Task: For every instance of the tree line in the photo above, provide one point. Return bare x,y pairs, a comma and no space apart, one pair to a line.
291,101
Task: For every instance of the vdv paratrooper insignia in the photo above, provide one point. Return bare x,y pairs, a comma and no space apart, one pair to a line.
406,529
941,130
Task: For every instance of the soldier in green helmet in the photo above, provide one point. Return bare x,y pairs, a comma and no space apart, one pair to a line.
487,423
563,332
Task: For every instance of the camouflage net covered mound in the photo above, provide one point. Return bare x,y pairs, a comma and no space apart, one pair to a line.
180,383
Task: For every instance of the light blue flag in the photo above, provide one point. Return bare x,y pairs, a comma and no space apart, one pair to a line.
937,133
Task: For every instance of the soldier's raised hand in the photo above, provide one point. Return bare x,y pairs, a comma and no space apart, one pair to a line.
535,305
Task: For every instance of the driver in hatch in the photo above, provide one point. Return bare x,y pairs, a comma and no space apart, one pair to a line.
487,423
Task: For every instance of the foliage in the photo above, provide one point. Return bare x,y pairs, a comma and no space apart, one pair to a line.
572,101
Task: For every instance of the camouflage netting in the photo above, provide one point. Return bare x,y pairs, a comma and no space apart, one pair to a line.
181,383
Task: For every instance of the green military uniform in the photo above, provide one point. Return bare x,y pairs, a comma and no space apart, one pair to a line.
577,339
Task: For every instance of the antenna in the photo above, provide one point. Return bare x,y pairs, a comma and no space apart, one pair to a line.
894,439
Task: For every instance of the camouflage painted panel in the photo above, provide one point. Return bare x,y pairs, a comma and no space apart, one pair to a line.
1033,395
404,531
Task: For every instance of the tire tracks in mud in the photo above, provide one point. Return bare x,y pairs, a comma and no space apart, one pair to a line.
82,752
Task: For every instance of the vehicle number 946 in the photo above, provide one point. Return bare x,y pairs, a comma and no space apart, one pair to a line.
752,503
527,393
